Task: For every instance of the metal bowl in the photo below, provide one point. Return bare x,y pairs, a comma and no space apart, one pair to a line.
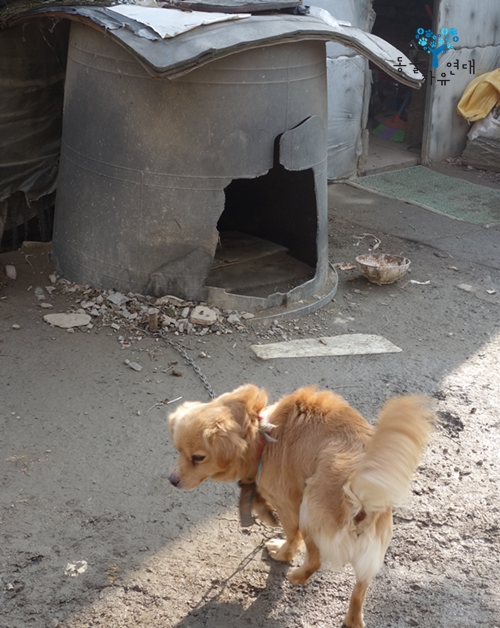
382,268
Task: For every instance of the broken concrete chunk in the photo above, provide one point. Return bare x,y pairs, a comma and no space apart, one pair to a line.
40,293
67,321
167,321
169,299
233,319
135,366
10,271
202,315
117,298
76,568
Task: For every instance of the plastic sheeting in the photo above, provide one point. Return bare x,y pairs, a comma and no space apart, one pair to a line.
488,127
32,72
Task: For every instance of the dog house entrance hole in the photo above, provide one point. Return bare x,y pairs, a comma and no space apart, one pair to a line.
267,234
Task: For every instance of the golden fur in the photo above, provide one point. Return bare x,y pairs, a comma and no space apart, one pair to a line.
331,477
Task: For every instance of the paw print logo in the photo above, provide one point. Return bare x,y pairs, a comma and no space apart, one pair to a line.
436,44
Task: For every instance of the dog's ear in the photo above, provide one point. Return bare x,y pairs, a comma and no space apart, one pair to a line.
225,441
246,400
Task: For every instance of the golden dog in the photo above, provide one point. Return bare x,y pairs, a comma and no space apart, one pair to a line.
331,477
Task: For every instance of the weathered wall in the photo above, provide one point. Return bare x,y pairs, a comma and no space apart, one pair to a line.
478,26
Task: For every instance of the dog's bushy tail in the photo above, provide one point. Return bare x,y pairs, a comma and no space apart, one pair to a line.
383,476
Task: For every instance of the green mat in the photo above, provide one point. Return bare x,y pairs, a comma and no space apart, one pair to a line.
447,195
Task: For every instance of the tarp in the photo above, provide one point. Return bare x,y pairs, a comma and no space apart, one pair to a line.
480,96
32,71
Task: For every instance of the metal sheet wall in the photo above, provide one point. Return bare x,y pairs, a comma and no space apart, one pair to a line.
478,26
347,74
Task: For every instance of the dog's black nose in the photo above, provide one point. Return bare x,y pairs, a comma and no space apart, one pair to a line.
173,479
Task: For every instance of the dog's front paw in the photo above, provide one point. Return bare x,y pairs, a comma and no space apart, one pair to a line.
299,576
279,549
355,625
274,546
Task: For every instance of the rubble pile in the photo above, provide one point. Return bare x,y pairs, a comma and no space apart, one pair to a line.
133,312
135,315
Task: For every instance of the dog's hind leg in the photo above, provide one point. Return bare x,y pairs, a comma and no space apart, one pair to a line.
354,617
367,563
311,564
285,550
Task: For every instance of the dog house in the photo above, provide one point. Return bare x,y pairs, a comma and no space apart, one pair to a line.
194,164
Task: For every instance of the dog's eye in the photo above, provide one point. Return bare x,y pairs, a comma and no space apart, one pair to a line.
198,458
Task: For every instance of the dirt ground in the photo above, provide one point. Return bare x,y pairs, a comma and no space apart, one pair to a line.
85,453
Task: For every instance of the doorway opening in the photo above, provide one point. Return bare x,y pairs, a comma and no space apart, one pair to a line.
267,234
397,112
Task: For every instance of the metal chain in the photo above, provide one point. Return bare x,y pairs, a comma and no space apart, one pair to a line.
182,351
192,363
